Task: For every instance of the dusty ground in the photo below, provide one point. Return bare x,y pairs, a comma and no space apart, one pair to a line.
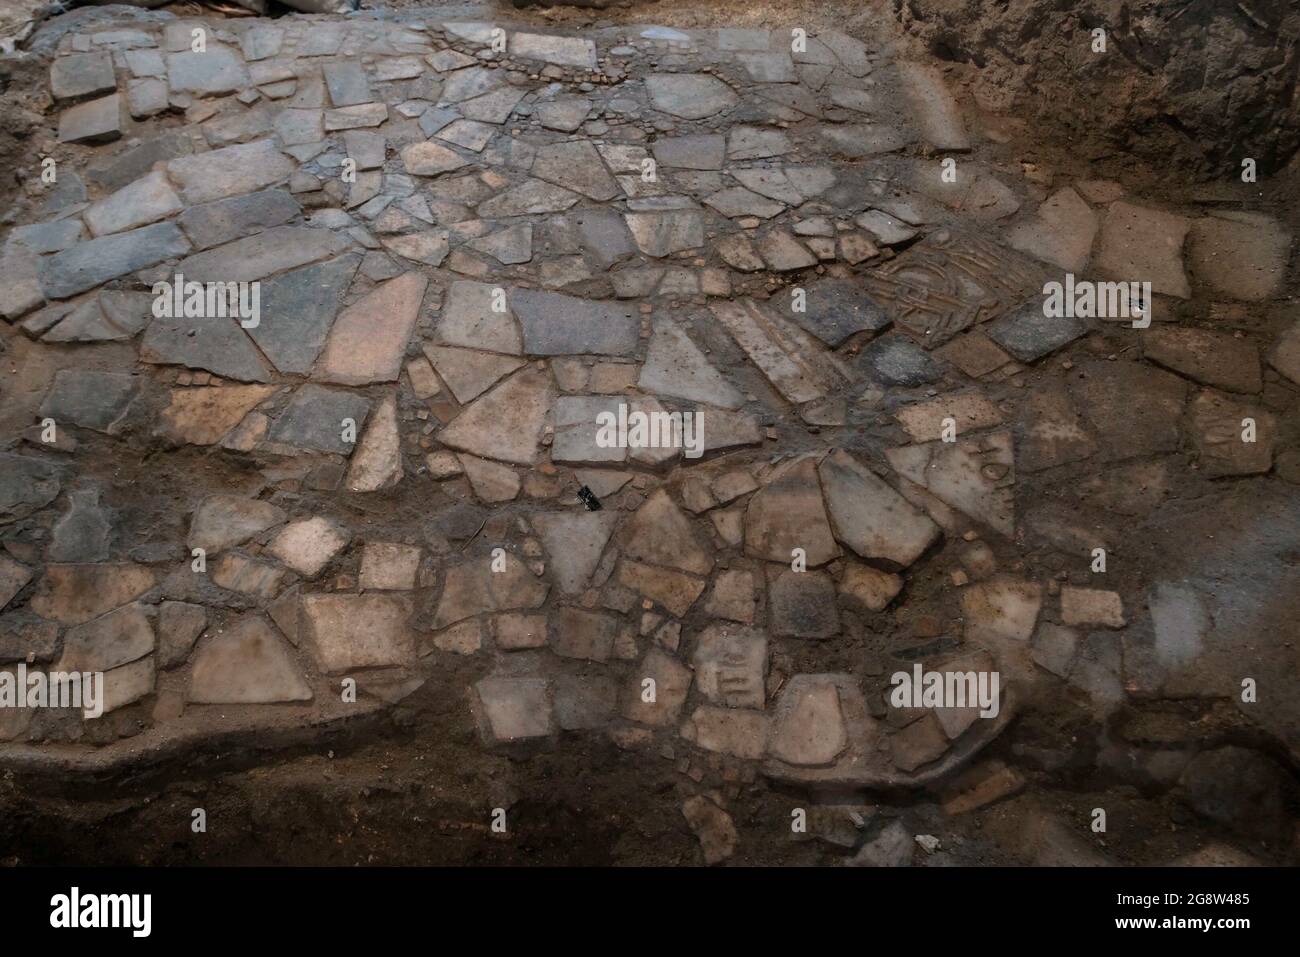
1181,767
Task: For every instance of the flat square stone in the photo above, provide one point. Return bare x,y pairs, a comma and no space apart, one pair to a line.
347,83
98,121
555,324
315,419
216,70
82,74
89,399
1029,335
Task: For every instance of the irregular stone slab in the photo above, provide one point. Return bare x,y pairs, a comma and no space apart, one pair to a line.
430,159
212,224
784,353
429,247
369,337
82,534
469,373
808,728
675,366
675,591
701,151
783,253
672,681
664,232
835,309
249,576
859,140
753,142
1144,245
89,399
298,310
587,635
530,198
72,594
308,545
230,171
969,411
565,114
934,108
469,319
736,202
82,74
317,419
26,484
222,521
346,82
515,709
114,172
802,605
259,256
1134,409
204,416
218,345
299,127
713,828
870,517
1000,609
48,237
493,107
555,324
577,428
1061,232
377,463
574,542
349,632
247,664
564,51
216,70
874,589
508,246
974,476
1029,335
575,165
1053,433
356,117
691,96
96,121
492,483
789,514
1219,428
1240,254
94,262
1285,357
731,666
1213,358
20,282
13,579
660,533
506,423
118,638
897,360
473,588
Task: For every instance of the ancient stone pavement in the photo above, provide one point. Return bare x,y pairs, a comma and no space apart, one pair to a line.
470,240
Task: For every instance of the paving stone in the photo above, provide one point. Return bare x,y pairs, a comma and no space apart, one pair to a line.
1239,254
368,340
430,159
802,605
358,631
808,728
1052,433
835,309
13,579
469,373
782,351
556,324
564,51
230,171
315,418
222,521
1091,606
1061,232
675,591
860,140
664,232
88,264
1139,244
179,626
870,517
731,666
505,423
509,246
702,151
660,533
1029,335
308,545
574,542
565,113
247,664
72,594
146,200
974,353
897,360
95,121
389,566
530,198
1001,608
713,828
515,709
1133,408
261,42
118,638
736,202
215,71
671,682
691,96
204,416
751,142
936,111
973,475
586,635
515,632
575,165
1219,430
248,576
492,483
48,237
1285,357
1213,358
968,412
869,586
675,366
215,344
82,74
298,310
346,82
473,588
212,224
789,514
90,399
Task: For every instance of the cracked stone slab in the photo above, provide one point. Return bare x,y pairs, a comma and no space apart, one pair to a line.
783,352
506,423
88,264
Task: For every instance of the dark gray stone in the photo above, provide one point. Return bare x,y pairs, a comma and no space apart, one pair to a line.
89,399
298,309
226,219
82,74
26,484
216,344
836,309
802,605
82,534
314,419
1029,335
559,325
114,172
897,360
700,151
96,261
347,83
604,235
